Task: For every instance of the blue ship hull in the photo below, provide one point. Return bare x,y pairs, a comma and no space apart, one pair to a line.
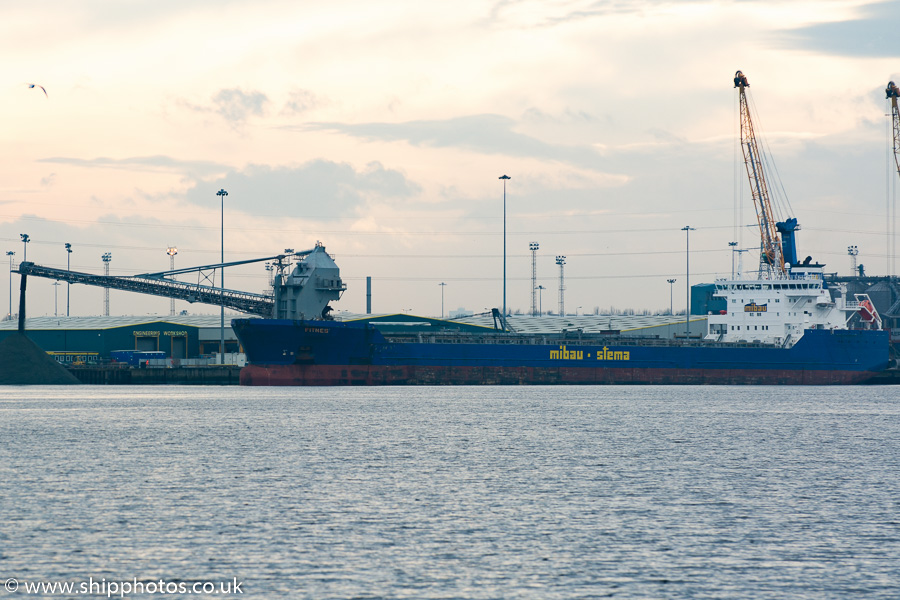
285,352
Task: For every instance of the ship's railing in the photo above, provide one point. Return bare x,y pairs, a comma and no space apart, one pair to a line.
556,339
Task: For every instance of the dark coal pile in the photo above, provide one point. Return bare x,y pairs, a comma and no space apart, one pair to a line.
22,362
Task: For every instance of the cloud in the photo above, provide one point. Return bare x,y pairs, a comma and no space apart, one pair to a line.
233,104
141,163
300,101
537,14
318,188
236,105
487,134
873,35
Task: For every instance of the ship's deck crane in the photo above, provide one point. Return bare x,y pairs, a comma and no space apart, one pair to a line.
892,92
775,251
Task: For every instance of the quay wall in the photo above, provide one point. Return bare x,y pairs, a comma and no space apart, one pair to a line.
117,375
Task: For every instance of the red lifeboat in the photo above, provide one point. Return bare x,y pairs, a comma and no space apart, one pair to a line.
867,311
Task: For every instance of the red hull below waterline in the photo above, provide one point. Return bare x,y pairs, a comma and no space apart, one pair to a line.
334,375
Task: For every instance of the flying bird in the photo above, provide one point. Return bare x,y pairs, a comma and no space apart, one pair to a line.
34,85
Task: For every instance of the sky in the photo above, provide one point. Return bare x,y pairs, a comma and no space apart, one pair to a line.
380,129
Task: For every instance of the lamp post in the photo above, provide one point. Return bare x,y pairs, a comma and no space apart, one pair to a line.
221,194
540,290
504,178
443,285
10,254
687,229
55,298
25,240
671,304
68,268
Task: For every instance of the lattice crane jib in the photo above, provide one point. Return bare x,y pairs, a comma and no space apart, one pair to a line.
772,256
892,93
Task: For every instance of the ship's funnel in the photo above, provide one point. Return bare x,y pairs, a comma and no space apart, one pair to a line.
787,229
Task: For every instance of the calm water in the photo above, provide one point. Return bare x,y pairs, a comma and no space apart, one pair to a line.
501,492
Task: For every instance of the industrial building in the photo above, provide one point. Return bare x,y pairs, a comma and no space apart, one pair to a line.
91,339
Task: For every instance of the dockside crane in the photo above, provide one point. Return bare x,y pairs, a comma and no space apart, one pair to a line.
892,92
777,238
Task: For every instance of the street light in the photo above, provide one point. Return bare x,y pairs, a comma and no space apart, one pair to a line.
55,298
25,240
68,268
504,178
221,194
443,285
10,254
687,229
540,290
671,305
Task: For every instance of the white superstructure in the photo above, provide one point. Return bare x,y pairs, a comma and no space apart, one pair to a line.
778,311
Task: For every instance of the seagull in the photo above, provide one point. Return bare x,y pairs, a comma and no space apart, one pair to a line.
34,85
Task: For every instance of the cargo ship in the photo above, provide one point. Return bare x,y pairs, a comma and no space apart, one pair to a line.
785,326
789,330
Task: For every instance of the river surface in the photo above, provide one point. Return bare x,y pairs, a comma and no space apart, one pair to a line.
451,492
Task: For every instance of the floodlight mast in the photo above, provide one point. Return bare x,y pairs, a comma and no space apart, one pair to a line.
561,261
172,251
534,247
